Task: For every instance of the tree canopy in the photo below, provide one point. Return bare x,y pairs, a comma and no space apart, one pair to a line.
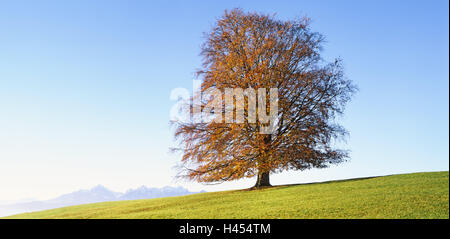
258,51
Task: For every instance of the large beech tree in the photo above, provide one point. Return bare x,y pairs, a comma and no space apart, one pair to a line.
251,50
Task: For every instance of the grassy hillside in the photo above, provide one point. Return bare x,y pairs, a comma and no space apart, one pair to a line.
418,195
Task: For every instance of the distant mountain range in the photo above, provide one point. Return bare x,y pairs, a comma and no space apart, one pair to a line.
96,194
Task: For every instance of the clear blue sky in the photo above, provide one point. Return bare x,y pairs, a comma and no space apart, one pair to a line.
85,85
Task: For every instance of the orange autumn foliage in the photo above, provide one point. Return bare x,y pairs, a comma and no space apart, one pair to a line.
251,50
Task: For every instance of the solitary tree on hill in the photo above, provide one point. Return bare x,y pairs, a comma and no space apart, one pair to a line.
254,51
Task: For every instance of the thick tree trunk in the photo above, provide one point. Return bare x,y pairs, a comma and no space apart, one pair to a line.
263,180
263,175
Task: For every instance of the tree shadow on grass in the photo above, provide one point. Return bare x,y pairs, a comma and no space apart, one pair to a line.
277,187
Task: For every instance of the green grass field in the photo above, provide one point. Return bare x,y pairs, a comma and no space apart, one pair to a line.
417,195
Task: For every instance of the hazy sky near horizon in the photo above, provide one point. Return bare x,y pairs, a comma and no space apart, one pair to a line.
85,86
